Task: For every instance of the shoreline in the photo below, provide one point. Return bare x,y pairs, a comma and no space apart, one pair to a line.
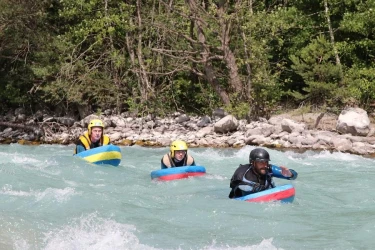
284,132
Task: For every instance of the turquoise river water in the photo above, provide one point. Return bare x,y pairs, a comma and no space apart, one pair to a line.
52,200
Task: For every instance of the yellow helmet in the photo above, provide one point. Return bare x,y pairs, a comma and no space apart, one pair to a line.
178,145
95,123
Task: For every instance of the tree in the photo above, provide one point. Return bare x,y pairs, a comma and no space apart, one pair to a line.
317,66
93,63
23,42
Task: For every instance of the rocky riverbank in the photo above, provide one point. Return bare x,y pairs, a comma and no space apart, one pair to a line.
350,132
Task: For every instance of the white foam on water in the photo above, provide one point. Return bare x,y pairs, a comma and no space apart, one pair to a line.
339,156
94,233
59,195
244,152
19,243
211,154
101,172
265,244
97,185
71,183
24,159
215,177
8,190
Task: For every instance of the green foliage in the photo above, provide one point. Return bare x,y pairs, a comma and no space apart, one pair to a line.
185,95
266,95
81,87
302,109
24,35
240,110
361,20
316,65
152,59
361,87
357,30
91,61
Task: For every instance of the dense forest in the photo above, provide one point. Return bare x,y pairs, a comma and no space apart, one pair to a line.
250,57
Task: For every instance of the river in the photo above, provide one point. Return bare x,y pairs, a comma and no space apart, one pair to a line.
52,200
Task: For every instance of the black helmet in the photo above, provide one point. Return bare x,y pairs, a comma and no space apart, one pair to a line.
259,154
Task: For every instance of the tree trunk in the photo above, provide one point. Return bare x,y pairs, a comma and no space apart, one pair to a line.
331,34
229,57
113,70
145,84
247,53
205,53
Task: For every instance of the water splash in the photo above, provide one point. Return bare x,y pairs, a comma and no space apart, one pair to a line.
93,232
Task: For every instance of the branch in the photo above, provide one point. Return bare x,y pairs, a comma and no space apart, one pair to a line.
318,120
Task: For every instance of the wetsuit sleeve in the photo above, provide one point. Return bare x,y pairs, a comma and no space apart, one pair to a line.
79,149
165,162
163,166
190,160
276,171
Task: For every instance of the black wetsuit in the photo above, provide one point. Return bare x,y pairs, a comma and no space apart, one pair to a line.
167,161
245,181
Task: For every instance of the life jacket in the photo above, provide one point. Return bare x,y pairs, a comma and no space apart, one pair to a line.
86,142
169,162
239,178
